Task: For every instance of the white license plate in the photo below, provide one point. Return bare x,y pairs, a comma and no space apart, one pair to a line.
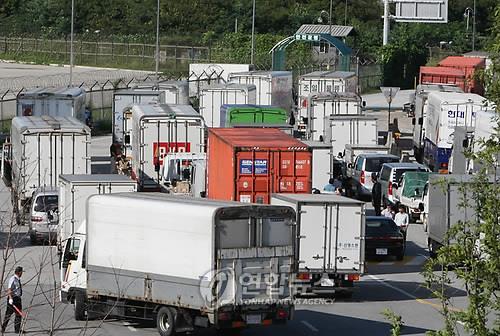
254,319
381,251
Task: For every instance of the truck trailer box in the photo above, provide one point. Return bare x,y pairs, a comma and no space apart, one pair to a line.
122,99
470,66
421,105
176,92
158,130
213,97
240,114
42,148
206,261
324,164
324,81
330,239
74,190
446,206
272,87
323,105
248,164
55,102
444,76
351,130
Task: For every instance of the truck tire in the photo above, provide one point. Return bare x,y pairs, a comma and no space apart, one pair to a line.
80,306
165,321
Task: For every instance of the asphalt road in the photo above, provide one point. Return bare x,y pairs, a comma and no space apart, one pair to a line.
396,285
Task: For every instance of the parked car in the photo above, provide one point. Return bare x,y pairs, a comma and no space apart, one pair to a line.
363,167
44,219
390,174
383,238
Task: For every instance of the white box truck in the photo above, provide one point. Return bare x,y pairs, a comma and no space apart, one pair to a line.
350,130
213,97
324,164
183,262
272,87
42,148
56,102
74,190
330,241
122,100
159,130
447,110
176,92
324,81
421,96
323,105
445,206
202,75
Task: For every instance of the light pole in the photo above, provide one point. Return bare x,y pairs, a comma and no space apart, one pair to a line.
330,17
467,13
253,33
345,14
157,63
71,42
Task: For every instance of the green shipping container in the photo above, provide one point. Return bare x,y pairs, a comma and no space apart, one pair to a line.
253,114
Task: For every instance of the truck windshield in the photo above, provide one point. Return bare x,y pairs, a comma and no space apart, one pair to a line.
46,203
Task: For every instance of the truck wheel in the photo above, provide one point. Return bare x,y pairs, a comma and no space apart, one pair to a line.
80,306
165,321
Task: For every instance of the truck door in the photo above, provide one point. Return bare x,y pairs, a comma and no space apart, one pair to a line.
314,226
345,250
73,264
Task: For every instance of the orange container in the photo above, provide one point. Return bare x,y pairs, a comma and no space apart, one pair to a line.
443,75
249,164
469,65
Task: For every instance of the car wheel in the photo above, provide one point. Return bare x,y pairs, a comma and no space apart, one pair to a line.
80,306
165,321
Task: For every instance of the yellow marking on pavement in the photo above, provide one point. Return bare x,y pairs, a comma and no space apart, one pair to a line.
438,306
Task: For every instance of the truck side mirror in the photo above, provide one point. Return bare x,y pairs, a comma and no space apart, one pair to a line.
127,139
395,186
349,165
340,155
421,207
465,143
421,121
364,103
413,121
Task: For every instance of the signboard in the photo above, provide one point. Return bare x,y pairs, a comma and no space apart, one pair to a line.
160,150
429,11
247,166
389,92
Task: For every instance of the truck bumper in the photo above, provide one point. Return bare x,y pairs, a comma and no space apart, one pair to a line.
248,316
326,283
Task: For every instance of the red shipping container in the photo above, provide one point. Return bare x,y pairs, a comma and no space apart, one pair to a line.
443,75
249,164
469,65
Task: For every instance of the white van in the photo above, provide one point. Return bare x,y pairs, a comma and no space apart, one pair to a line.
44,219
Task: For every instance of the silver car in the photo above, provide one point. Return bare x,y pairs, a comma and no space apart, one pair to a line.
391,173
44,218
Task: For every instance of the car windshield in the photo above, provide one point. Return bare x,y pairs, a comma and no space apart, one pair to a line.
46,203
374,164
380,227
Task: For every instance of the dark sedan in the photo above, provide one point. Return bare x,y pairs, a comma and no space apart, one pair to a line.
383,238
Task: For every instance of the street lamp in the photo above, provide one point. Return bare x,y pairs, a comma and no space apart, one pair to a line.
253,33
157,63
467,13
71,46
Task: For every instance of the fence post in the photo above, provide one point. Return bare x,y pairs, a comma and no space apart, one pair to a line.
96,51
175,57
128,51
112,50
143,50
6,45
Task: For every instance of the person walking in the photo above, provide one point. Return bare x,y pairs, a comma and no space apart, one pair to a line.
376,194
387,212
402,220
14,303
333,184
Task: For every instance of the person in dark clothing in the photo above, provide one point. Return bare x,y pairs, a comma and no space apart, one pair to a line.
14,304
376,194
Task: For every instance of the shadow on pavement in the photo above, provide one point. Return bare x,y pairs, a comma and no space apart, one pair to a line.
16,239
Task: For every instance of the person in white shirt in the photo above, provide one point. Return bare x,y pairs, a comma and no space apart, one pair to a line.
402,220
14,305
387,212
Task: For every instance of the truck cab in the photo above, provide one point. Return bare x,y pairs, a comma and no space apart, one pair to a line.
73,274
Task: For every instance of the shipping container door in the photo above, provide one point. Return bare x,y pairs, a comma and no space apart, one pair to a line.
314,233
292,172
316,122
346,250
254,177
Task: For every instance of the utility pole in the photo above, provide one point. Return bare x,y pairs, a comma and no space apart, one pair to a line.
386,22
157,64
345,14
253,33
474,27
330,17
71,41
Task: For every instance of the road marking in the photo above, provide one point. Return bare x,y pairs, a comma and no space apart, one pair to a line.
386,263
411,296
309,325
127,324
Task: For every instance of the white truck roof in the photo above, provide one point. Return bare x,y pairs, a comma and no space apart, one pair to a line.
329,74
165,110
230,86
335,96
316,198
136,92
91,178
41,124
59,93
261,73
